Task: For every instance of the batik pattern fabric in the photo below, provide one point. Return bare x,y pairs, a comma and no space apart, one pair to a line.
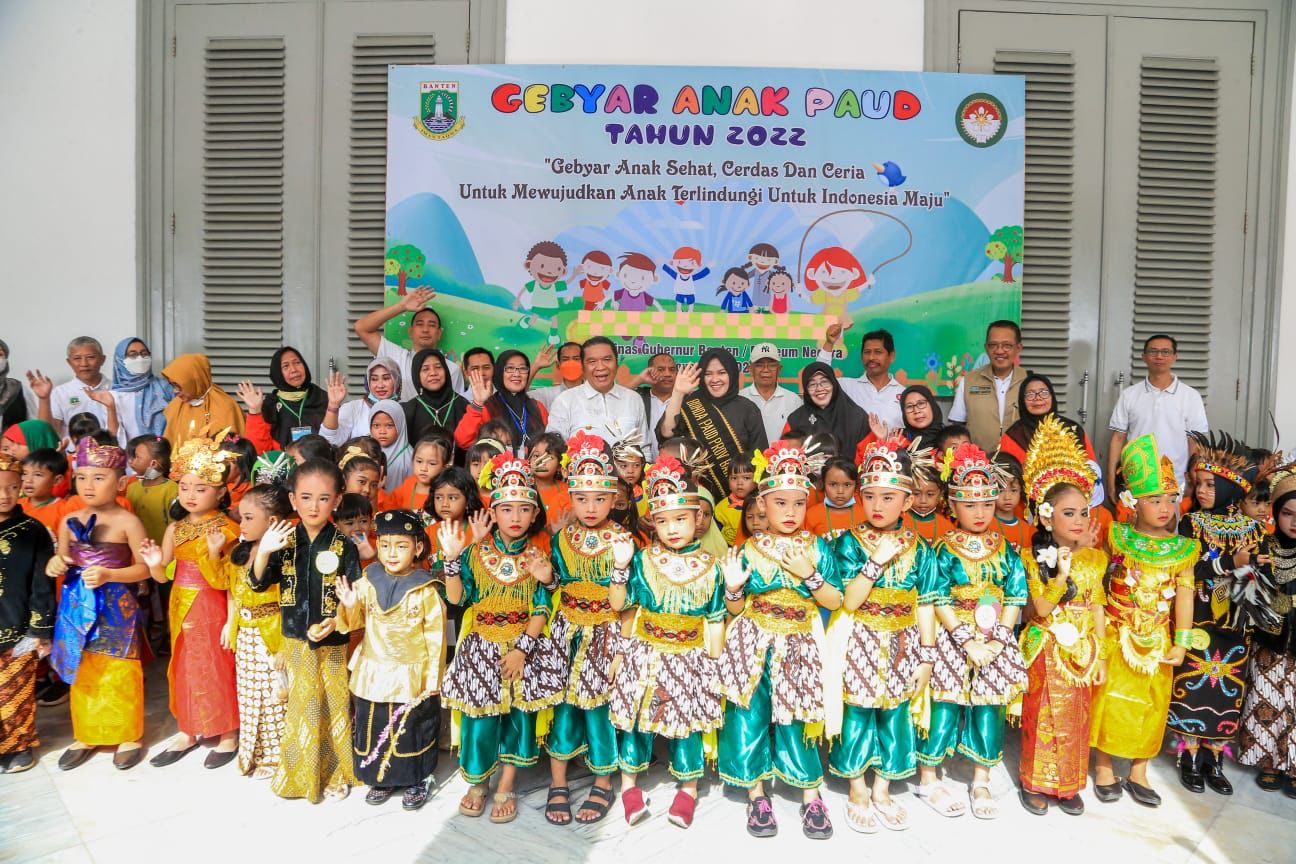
202,677
262,700
666,683
1210,687
1128,711
315,751
1268,736
1062,653
17,702
974,571
501,597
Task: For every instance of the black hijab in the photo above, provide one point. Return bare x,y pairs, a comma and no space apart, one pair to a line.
519,410
288,407
730,366
841,416
925,437
432,410
1024,429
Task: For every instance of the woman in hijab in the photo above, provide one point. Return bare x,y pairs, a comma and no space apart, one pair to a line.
387,427
199,406
342,422
923,420
826,408
726,423
1036,400
436,407
296,404
139,396
13,404
504,398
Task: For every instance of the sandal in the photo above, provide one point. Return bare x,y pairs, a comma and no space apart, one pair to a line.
414,797
892,816
477,794
860,817
934,794
337,792
263,772
983,808
599,808
500,799
554,809
1269,781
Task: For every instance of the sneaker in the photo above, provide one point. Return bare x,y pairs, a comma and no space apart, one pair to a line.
760,817
814,820
50,693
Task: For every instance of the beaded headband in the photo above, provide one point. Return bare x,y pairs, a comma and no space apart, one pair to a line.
667,485
510,479
781,468
971,475
1225,457
91,454
589,467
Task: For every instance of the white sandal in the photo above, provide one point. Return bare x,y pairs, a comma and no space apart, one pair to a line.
861,818
892,816
983,808
951,809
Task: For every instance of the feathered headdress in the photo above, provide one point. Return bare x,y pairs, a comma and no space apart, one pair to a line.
1055,456
203,458
669,486
589,467
508,478
630,447
1225,457
781,467
889,465
273,466
1146,470
970,474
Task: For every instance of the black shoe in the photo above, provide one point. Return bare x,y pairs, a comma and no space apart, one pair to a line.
1071,806
1033,802
1109,793
16,763
378,795
1189,774
170,757
760,817
1142,794
414,797
1269,781
50,693
1289,787
124,760
814,820
1212,769
75,758
219,759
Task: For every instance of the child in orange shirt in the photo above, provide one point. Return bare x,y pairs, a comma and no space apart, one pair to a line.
1016,530
546,458
42,472
840,509
431,455
361,475
245,454
924,517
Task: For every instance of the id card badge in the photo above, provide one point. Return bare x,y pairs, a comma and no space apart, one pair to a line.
300,432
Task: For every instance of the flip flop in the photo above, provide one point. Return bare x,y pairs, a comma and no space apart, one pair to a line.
860,817
892,816
951,809
503,798
476,793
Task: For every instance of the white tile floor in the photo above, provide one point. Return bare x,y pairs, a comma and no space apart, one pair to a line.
186,813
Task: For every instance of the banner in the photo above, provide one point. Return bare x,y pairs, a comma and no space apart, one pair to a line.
677,208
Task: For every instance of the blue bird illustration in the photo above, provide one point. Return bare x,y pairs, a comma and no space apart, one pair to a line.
890,172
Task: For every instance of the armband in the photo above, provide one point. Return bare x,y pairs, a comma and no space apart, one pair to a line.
814,581
453,568
963,634
620,576
734,596
527,644
1183,638
927,654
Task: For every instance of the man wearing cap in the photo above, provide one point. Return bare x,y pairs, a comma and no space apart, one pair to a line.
876,391
775,402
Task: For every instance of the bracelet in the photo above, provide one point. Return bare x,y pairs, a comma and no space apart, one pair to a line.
871,571
1183,638
1054,592
927,654
734,596
620,576
963,634
814,581
527,644
453,568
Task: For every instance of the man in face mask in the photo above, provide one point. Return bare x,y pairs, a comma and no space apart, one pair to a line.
571,373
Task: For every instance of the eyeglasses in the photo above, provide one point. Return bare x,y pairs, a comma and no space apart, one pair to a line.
1158,352
144,353
1000,346
516,370
819,385
914,407
1037,395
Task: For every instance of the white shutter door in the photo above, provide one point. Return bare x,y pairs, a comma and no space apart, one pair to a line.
1062,58
363,39
242,105
1180,111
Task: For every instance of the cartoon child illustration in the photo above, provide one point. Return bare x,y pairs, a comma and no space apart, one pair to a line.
734,287
779,286
835,277
761,261
546,263
637,274
594,268
685,268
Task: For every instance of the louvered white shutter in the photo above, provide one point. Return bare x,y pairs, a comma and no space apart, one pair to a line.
371,36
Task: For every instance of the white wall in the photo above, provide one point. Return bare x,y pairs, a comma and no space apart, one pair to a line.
67,176
1285,409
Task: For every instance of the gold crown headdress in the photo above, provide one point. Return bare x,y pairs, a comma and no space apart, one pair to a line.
204,458
8,463
971,475
589,468
1055,456
1282,481
511,480
667,484
781,467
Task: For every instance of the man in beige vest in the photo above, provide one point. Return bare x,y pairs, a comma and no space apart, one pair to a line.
986,398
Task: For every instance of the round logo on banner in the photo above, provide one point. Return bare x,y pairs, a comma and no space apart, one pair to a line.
981,120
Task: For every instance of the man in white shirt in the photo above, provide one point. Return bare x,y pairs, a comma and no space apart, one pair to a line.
571,373
601,406
775,402
425,332
876,391
986,397
1160,404
660,375
57,405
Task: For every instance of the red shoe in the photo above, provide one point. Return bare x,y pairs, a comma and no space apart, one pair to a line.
681,810
636,808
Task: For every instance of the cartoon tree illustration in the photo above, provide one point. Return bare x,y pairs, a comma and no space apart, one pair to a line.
403,262
1006,245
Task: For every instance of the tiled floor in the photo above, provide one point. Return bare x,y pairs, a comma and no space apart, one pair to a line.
186,813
